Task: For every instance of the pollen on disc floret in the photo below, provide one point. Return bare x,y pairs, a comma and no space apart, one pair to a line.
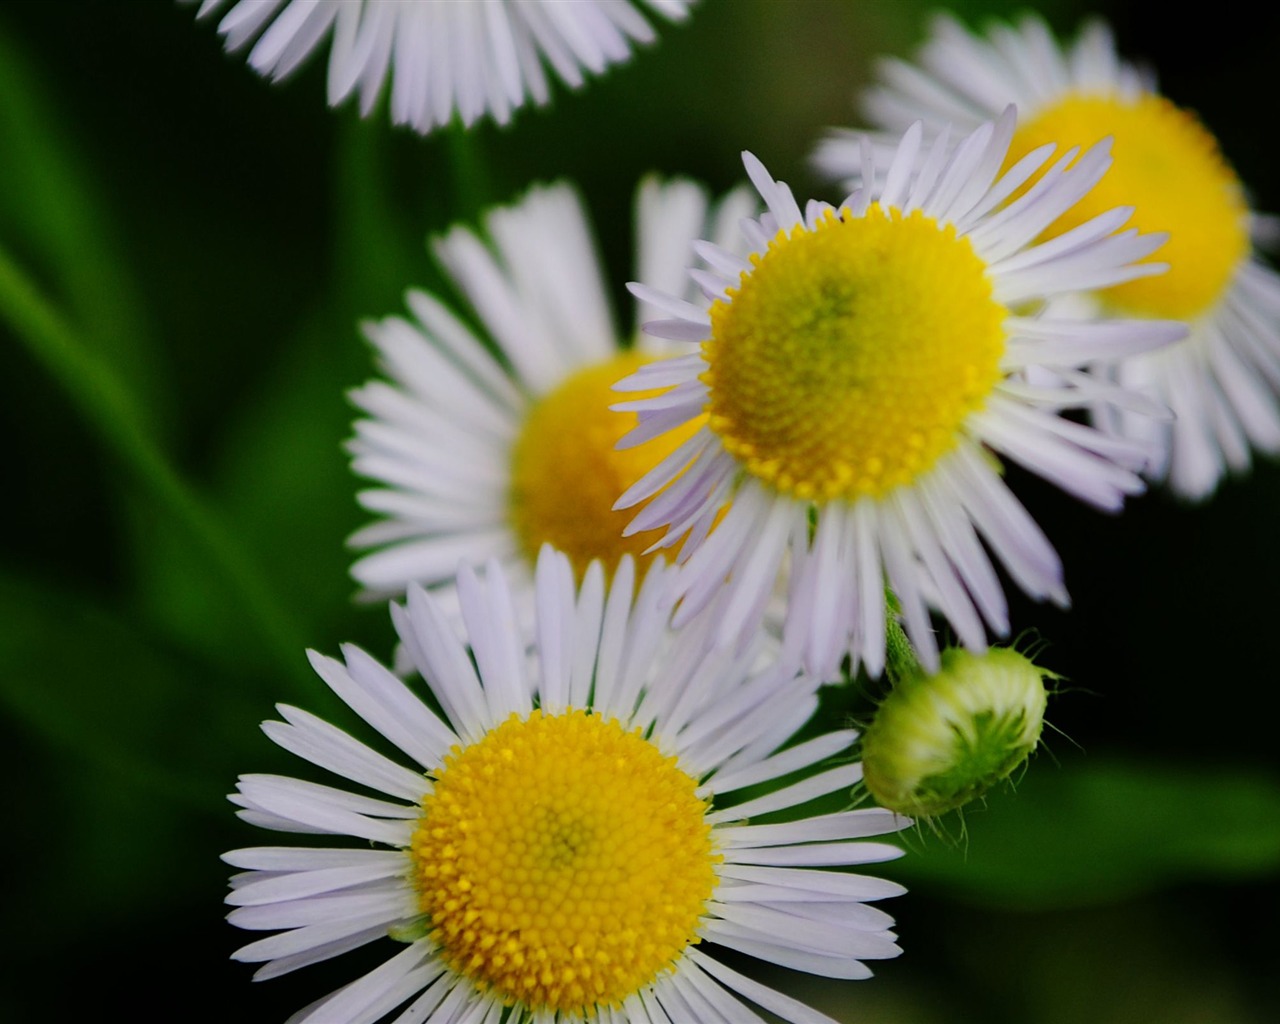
563,861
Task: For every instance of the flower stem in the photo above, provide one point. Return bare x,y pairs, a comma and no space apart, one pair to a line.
900,656
472,187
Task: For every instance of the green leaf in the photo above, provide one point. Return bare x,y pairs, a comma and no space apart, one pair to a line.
285,475
105,693
131,746
50,206
109,409
280,472
1096,830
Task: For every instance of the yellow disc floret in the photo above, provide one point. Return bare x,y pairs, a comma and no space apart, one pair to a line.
566,474
849,356
563,861
1169,167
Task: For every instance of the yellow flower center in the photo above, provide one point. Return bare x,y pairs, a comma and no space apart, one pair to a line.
563,861
566,473
851,354
1169,167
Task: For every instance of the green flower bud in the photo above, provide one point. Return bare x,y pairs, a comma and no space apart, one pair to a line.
940,741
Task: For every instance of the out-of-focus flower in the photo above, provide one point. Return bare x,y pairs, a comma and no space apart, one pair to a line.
471,58
481,456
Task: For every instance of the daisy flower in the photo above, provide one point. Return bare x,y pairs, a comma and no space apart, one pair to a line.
478,456
1222,383
443,57
852,380
573,832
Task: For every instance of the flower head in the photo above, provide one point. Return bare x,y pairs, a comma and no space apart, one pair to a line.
478,456
1223,381
563,843
856,373
941,740
443,57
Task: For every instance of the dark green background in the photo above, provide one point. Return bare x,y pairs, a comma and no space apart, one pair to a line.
175,500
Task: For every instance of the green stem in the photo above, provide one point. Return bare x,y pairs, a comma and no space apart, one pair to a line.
108,408
472,187
900,656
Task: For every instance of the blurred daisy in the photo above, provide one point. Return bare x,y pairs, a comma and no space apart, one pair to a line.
858,369
480,456
561,845
469,57
1222,382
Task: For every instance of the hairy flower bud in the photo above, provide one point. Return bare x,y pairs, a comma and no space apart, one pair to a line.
939,741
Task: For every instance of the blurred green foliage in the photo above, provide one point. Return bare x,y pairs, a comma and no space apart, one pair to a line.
185,252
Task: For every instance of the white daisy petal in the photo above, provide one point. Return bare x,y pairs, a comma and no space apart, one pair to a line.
299,940
842,825
784,1006
588,614
354,1002
317,954
393,903
438,652
322,744
838,885
676,330
374,694
1005,525
715,1002
721,260
670,304
754,944
811,788
555,632
823,854
298,858
1057,343
432,996
777,197
324,808
793,758
299,885
756,921
648,1003
496,644
275,822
